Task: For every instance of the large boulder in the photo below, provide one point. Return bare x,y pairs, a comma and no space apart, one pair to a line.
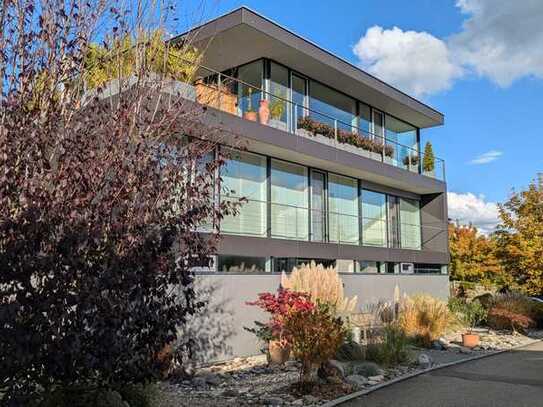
332,371
367,369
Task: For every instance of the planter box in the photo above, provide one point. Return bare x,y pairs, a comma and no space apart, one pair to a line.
325,140
278,124
350,148
304,133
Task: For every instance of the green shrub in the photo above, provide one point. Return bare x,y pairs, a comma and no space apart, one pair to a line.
469,313
350,351
393,350
485,300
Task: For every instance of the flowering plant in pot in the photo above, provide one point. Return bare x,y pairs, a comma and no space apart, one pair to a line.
279,306
471,313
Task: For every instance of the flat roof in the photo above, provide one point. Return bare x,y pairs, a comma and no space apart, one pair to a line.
243,35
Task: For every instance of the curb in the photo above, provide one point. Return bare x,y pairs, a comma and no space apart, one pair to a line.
356,394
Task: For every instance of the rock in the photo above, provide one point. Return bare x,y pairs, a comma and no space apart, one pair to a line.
463,349
272,401
337,366
357,380
378,378
298,402
436,345
199,382
367,369
424,361
332,371
310,399
445,344
230,393
212,379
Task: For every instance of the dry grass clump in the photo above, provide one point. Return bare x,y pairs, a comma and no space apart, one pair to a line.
425,318
323,284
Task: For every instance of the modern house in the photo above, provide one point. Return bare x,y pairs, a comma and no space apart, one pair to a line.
333,170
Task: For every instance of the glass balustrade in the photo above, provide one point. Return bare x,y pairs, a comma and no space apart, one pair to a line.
273,109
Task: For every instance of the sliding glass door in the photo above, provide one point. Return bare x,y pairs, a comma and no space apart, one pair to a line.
318,206
289,201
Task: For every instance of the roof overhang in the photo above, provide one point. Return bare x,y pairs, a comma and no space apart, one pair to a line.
243,36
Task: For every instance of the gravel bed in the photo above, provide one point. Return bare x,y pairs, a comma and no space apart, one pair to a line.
250,382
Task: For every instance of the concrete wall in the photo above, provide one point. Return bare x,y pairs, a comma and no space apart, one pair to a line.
231,291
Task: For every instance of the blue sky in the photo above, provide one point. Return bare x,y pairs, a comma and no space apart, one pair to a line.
480,62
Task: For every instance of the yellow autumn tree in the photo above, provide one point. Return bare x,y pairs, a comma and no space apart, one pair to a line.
177,61
322,283
472,256
519,239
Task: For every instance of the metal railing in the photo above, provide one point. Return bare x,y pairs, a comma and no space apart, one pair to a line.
300,223
243,99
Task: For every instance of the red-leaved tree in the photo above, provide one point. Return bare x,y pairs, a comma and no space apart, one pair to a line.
104,198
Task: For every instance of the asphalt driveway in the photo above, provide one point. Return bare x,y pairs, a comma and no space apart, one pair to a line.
511,379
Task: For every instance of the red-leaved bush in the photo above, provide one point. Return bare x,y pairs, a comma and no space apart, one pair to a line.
280,305
503,319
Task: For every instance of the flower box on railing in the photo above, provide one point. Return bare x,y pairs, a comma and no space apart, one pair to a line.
345,137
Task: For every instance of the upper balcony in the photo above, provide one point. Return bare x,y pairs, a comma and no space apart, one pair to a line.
371,129
237,97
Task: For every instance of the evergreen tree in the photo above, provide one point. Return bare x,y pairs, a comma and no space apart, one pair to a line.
428,163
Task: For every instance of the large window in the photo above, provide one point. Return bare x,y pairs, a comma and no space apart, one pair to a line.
374,219
241,264
244,176
343,212
318,206
289,201
331,105
410,224
249,92
279,94
403,137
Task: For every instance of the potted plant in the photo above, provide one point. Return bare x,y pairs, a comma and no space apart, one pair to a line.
428,162
472,313
279,306
264,111
250,112
277,351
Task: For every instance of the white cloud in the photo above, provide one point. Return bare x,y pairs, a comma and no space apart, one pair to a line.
416,62
499,39
487,157
471,209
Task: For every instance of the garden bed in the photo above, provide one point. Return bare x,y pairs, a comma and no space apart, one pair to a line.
250,382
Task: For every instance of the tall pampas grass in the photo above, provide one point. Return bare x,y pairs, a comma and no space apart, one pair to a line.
323,284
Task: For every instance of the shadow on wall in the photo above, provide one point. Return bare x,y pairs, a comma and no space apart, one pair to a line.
206,334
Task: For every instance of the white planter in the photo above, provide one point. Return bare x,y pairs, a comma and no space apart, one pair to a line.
304,133
375,156
278,124
325,140
350,148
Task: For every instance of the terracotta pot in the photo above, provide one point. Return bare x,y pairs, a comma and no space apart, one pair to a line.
470,340
264,111
278,353
250,116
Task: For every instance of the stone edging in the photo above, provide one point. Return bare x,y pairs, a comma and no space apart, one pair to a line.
364,392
